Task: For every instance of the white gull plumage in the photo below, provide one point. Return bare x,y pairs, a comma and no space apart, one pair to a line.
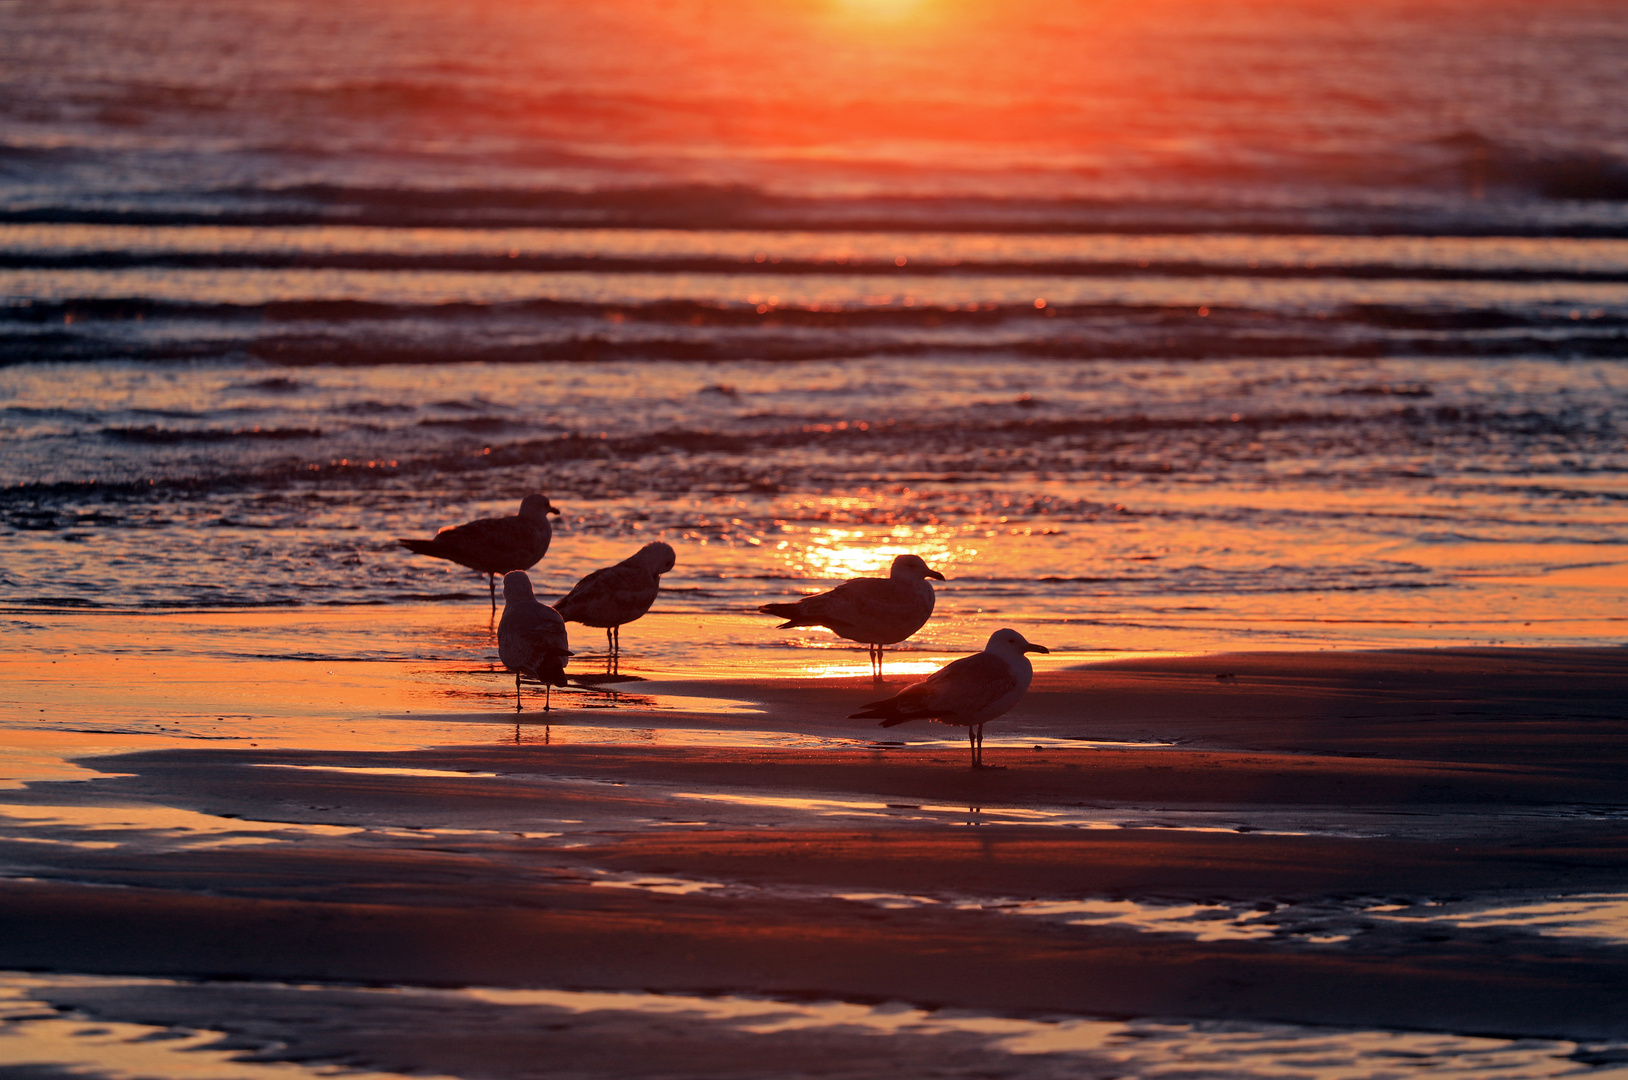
531,637
970,691
876,611
619,594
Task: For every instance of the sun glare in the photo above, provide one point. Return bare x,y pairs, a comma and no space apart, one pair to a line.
879,10
835,554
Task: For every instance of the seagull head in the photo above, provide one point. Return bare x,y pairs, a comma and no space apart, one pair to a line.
517,587
658,558
913,566
1012,643
537,506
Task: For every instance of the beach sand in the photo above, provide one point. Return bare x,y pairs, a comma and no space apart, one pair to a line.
1274,838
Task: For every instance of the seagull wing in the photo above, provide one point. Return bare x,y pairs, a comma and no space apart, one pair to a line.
610,597
878,610
963,688
585,589
501,544
531,639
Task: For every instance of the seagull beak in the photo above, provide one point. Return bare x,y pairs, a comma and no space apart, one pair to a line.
554,510
936,574
1032,647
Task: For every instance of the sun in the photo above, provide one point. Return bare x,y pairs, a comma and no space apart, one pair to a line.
879,10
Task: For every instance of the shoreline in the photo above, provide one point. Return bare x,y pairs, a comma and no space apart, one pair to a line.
1291,800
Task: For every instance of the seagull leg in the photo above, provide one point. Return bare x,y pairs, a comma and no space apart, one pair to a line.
547,693
975,735
517,692
491,587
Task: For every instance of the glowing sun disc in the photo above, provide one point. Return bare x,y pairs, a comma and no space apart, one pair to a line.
879,9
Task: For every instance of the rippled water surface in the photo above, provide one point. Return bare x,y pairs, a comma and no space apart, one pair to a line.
1121,504
1332,357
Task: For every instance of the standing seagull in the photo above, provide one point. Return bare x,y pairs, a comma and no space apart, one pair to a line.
877,611
495,545
971,691
618,594
531,637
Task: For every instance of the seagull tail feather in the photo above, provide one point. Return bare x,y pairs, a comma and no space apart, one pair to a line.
788,612
885,711
551,670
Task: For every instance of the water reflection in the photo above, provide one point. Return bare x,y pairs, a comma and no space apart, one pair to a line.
1594,916
43,1037
1603,256
170,826
840,554
1127,507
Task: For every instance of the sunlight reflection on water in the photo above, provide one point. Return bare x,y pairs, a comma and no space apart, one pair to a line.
166,820
114,1048
1595,916
1599,917
105,1044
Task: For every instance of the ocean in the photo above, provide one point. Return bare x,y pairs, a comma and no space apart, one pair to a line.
1155,327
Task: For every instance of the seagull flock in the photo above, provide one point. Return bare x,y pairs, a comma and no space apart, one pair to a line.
532,641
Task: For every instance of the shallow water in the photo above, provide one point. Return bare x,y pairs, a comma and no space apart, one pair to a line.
1099,505
89,1031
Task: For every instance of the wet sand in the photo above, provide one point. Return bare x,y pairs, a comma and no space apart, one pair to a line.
1274,837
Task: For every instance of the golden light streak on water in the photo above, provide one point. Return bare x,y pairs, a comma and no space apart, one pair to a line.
841,554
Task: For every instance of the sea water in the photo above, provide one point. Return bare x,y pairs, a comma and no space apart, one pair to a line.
1155,326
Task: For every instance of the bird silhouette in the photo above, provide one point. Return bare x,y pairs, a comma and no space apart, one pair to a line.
495,545
618,594
968,692
531,638
876,611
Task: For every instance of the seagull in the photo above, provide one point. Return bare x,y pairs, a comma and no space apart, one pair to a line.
618,594
531,637
971,691
877,611
495,545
